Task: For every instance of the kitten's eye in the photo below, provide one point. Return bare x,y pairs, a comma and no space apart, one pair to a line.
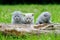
17,16
45,15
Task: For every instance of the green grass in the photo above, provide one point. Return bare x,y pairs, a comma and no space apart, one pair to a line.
6,11
6,14
30,37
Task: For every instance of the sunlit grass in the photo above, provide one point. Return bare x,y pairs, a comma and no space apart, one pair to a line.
6,11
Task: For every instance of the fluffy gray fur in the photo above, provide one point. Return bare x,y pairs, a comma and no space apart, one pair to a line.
29,18
17,17
43,18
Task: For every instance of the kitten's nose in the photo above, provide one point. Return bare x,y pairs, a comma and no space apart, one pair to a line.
17,18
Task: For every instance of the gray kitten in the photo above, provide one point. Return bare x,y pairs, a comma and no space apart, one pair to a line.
43,18
17,17
29,18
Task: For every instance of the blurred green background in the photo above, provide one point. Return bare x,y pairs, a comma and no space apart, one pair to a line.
6,11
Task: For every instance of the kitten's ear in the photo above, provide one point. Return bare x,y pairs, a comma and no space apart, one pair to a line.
23,14
32,14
